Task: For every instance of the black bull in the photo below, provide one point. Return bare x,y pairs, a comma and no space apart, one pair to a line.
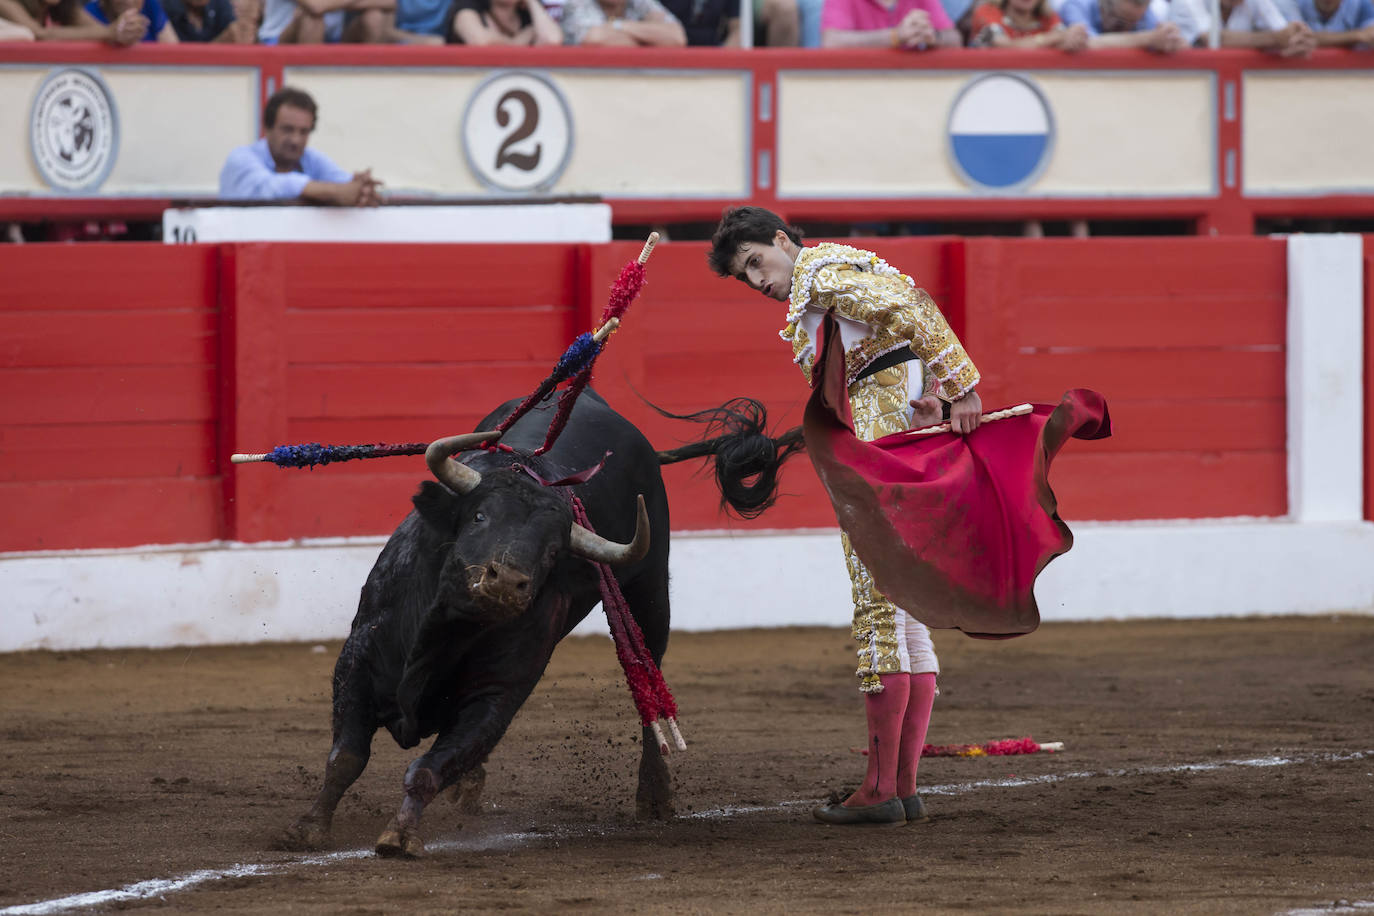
462,610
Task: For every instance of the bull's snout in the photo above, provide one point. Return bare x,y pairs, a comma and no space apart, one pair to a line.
503,586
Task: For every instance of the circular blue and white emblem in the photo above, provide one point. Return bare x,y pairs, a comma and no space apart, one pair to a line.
73,130
1000,132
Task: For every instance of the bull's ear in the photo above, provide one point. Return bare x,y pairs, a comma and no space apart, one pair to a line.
437,506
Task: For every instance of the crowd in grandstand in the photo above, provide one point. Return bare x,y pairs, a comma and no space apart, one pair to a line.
1287,27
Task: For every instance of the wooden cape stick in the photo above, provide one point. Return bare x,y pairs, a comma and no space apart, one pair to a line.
1020,410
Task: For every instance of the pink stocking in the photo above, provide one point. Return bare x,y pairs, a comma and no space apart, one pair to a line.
914,725
885,711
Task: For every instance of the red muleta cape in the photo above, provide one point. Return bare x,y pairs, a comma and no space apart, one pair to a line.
953,528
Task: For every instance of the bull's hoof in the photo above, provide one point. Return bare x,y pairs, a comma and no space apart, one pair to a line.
305,835
399,843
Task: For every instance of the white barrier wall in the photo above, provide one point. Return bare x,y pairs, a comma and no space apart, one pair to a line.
1160,145
1303,133
1317,560
705,127
166,139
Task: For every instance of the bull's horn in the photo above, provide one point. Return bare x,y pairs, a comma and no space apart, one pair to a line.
455,475
594,547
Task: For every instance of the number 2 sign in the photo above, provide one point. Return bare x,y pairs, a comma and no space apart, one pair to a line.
517,132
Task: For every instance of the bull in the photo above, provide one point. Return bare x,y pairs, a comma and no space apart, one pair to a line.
467,600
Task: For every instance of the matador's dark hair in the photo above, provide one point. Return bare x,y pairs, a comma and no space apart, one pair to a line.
747,458
745,224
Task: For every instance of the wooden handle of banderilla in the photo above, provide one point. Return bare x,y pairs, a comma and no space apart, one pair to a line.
247,459
1020,410
606,330
648,248
609,327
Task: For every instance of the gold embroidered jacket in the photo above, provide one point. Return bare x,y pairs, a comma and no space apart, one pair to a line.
879,309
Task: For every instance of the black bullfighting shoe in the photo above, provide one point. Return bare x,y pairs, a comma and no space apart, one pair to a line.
915,810
890,813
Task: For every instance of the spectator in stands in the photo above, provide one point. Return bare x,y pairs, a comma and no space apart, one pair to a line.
809,13
158,28
621,23
1122,24
707,22
1336,23
308,22
279,167
1023,24
502,22
1245,24
717,22
914,25
211,20
777,23
417,22
13,31
67,20
960,12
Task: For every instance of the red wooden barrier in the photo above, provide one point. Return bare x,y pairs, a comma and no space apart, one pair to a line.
1185,337
107,399
390,343
130,372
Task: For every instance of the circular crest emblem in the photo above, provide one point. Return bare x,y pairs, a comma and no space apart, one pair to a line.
1000,132
517,132
73,130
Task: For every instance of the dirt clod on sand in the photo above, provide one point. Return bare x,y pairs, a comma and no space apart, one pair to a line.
1209,767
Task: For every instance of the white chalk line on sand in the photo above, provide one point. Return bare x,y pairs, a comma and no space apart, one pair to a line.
160,887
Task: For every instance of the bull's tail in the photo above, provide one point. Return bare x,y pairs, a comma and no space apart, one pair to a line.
747,458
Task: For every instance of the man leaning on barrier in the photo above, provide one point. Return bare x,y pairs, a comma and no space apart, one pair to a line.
280,167
1123,24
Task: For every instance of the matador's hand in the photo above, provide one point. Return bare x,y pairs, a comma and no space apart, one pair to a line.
966,413
926,412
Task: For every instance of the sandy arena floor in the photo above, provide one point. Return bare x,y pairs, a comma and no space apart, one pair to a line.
1211,767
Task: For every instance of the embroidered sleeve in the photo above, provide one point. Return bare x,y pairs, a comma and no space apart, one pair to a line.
892,304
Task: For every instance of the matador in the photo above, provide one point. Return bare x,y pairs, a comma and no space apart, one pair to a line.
951,547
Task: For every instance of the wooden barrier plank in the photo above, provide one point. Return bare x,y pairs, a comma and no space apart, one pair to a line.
1168,485
1143,321
1207,375
100,451
100,278
131,394
46,339
425,276
86,514
411,335
1105,268
388,391
254,390
1184,424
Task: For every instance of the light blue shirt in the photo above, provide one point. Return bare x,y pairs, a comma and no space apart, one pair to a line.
1088,13
423,17
250,174
277,15
1349,16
